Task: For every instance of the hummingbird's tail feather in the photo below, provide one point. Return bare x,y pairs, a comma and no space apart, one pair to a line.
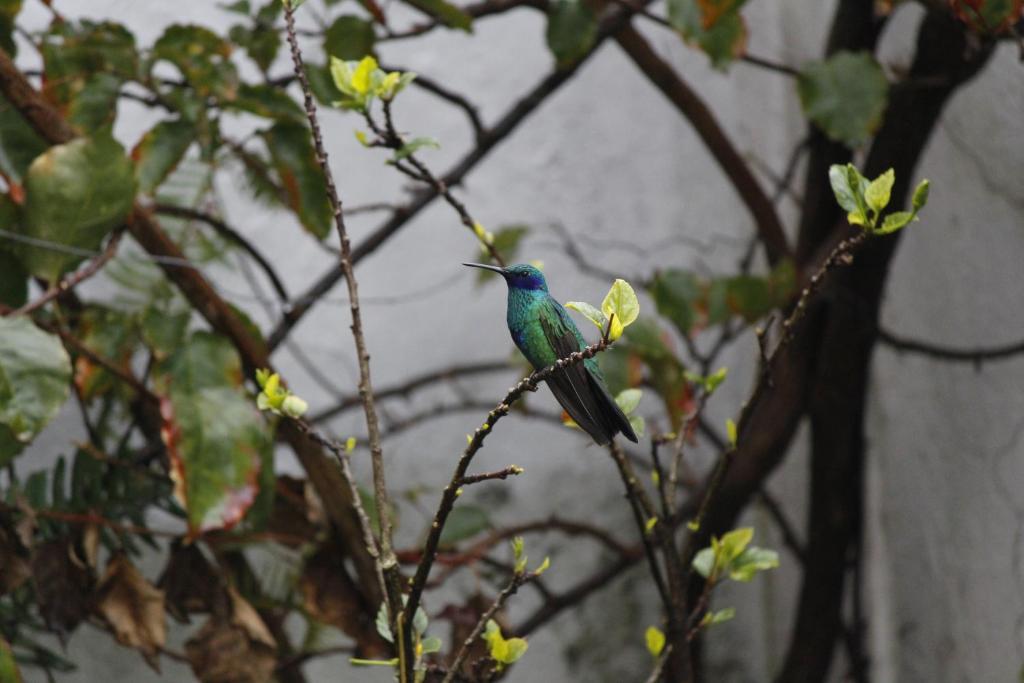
613,415
572,388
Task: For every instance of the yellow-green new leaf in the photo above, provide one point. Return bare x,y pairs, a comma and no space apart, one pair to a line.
655,640
363,75
620,302
879,190
591,313
730,432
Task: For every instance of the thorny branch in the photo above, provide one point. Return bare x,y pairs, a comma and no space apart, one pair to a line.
386,561
476,442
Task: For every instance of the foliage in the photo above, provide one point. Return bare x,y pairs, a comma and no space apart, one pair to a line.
865,201
163,368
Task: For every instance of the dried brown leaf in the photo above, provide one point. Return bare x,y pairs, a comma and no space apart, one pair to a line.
238,649
330,596
14,557
63,583
133,607
191,584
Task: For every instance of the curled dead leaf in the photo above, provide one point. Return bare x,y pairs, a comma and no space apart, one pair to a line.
133,608
330,596
63,583
191,584
233,648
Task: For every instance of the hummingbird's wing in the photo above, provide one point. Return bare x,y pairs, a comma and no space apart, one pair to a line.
583,395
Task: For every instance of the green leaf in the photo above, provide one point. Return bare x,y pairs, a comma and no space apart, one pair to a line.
74,195
715,26
920,195
621,302
848,187
349,37
415,145
8,11
506,240
13,276
465,521
262,41
35,373
449,14
217,444
675,293
381,622
628,400
8,666
420,621
431,645
714,380
571,32
897,220
733,543
207,360
238,7
655,640
75,51
879,190
592,313
845,96
719,617
202,57
20,144
160,151
750,561
268,102
730,432
514,649
95,104
294,159
704,561
518,556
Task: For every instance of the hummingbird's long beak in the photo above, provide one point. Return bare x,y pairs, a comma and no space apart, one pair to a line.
496,269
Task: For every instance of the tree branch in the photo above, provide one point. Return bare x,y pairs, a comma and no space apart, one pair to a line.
330,486
230,234
476,442
401,216
977,356
386,560
689,104
72,280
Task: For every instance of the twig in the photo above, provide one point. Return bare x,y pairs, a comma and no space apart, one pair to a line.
518,579
690,105
633,493
476,441
392,140
511,470
842,254
232,235
448,95
74,279
411,385
659,665
949,353
401,216
327,479
386,560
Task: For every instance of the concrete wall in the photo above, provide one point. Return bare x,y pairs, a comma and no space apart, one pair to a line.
606,157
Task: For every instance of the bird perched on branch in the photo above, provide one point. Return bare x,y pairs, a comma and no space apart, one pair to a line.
544,332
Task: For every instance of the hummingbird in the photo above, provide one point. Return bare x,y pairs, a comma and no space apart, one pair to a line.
544,332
